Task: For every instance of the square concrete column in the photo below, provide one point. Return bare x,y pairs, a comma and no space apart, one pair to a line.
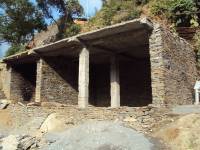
83,82
38,81
114,83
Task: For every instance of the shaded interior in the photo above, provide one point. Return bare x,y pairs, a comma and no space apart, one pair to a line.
132,52
24,81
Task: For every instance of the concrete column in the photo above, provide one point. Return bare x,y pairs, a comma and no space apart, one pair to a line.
83,83
114,83
38,81
196,97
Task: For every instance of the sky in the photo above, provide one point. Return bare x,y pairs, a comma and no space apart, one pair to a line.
90,8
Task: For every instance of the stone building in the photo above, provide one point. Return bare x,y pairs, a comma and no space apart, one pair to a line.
134,63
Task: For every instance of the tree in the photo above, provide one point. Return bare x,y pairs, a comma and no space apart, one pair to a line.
19,20
66,9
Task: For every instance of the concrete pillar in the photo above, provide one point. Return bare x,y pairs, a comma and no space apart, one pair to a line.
114,83
38,81
83,83
196,97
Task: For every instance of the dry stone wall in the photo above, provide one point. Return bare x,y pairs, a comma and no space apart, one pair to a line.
173,68
57,80
180,69
22,86
157,66
4,80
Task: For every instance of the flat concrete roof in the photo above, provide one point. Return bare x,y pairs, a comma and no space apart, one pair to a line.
110,39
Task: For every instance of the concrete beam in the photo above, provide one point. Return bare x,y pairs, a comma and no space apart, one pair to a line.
83,83
114,83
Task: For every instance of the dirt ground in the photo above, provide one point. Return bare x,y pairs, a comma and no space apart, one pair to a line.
161,125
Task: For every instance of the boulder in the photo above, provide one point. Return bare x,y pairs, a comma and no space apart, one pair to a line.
10,143
54,122
17,142
4,103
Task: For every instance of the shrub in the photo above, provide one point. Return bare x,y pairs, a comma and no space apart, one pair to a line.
15,49
179,12
72,30
197,46
116,11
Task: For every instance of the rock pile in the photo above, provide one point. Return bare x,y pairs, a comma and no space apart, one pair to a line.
17,142
4,103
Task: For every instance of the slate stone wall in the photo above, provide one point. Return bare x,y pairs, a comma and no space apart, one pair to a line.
57,80
173,68
22,82
4,81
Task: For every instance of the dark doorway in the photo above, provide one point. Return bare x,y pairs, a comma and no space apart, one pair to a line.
135,82
100,85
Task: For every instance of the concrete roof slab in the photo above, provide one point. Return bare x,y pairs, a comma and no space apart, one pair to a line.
66,46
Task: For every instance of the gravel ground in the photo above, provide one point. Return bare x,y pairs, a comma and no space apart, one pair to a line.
101,135
186,109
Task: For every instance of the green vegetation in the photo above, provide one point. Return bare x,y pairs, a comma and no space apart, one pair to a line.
14,49
197,46
182,13
72,30
116,11
19,21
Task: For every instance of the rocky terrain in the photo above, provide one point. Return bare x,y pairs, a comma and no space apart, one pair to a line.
48,126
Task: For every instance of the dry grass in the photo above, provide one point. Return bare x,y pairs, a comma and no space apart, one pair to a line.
183,134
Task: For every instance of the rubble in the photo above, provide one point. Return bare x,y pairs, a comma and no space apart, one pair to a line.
18,142
4,103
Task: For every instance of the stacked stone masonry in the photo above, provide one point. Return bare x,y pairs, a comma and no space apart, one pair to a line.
57,80
22,82
173,68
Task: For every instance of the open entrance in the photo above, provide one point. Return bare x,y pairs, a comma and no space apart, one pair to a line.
23,82
135,82
99,85
132,52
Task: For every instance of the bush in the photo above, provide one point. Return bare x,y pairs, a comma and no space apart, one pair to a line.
116,11
72,30
197,41
178,12
15,49
197,46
